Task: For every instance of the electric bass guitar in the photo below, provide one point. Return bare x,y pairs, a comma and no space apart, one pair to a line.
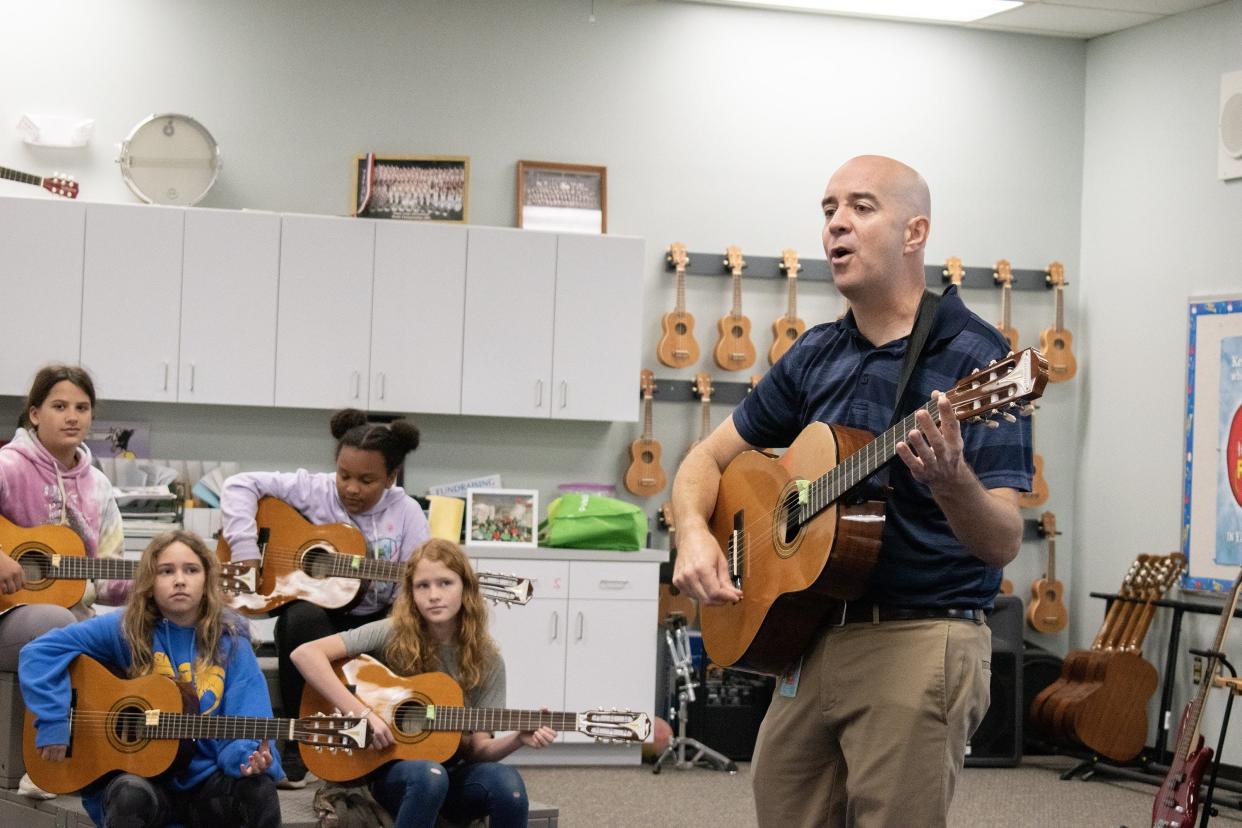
645,477
1057,342
427,719
1177,803
734,350
1046,611
147,725
791,546
55,567
787,329
61,185
678,348
326,565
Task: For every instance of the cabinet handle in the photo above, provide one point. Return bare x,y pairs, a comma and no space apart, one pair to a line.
191,376
556,624
381,384
165,376
564,393
538,393
613,584
357,379
580,626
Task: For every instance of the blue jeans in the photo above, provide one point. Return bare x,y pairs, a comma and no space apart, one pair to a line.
415,792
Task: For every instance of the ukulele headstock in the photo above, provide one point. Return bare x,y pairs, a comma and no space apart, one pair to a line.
733,259
61,185
1048,525
1018,378
703,386
1055,275
755,379
789,262
647,383
953,271
1003,274
677,257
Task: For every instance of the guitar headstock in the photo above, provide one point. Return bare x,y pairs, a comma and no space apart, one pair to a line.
1003,274
1018,378
505,589
1056,275
677,256
336,731
733,259
789,262
61,185
615,725
1136,574
647,383
1048,525
1175,564
236,579
953,270
703,386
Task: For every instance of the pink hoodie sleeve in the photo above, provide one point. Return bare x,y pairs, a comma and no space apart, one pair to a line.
239,501
111,545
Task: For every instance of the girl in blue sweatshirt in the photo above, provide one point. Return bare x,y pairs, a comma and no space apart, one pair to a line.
175,624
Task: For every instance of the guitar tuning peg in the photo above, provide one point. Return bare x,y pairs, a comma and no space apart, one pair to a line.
1009,418
991,423
1028,409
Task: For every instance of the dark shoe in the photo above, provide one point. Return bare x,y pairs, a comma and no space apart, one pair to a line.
291,761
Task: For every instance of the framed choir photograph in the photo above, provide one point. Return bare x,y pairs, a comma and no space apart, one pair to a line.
502,517
413,187
567,198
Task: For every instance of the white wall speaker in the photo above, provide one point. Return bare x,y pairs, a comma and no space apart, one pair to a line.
1229,132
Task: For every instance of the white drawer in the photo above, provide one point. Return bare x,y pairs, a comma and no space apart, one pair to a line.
550,579
606,579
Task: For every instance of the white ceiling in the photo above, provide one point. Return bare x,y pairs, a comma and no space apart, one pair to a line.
1084,18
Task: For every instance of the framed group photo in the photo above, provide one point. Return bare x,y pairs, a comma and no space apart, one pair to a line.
413,187
567,198
502,517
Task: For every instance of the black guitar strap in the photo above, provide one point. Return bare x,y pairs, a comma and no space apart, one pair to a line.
923,320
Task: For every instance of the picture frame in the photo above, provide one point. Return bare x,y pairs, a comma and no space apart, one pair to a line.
566,198
412,187
502,517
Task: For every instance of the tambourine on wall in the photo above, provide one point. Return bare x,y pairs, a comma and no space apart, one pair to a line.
170,159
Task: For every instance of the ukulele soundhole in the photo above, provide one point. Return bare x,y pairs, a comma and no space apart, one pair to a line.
317,562
648,457
737,331
681,328
1059,344
792,333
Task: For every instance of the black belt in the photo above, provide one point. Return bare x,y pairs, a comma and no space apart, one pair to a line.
870,613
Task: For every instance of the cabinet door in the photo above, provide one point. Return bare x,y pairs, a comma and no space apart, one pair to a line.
610,660
323,333
41,285
599,321
532,643
417,317
510,288
228,307
131,300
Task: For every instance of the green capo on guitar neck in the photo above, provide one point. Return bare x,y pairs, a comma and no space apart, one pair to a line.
804,486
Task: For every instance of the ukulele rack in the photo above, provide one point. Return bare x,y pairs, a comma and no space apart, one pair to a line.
678,390
816,270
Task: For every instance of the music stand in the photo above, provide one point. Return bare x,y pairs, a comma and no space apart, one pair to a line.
678,644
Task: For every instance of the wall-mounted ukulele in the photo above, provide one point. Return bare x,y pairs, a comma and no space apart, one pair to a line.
1057,342
1003,276
61,185
645,476
1038,495
789,327
953,271
735,351
671,598
703,387
1046,611
678,348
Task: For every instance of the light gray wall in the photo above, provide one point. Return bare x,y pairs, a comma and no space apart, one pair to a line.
718,126
1157,228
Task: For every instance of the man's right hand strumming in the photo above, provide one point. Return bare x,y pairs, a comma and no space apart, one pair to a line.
701,571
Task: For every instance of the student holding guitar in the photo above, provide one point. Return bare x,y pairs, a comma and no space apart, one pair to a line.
438,623
361,492
869,724
46,477
175,624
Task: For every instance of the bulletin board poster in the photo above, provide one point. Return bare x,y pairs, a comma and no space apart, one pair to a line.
1212,488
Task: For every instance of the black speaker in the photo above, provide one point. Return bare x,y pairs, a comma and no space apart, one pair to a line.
998,740
1041,668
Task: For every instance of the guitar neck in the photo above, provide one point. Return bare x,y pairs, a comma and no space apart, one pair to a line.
1060,323
647,430
485,718
1052,560
681,291
737,293
1189,739
1005,306
189,726
77,568
705,418
21,177
793,297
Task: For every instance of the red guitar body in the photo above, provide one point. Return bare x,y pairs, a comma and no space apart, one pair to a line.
1177,803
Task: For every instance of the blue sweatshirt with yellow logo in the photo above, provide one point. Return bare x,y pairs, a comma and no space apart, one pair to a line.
235,687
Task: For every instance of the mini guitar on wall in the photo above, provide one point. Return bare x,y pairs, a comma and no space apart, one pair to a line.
703,387
953,271
1046,611
57,184
1057,342
645,476
1038,495
787,329
735,351
1003,276
678,348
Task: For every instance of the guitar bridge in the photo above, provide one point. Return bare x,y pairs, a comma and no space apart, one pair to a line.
737,548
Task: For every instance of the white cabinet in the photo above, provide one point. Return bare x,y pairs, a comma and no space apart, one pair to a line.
416,317
323,330
41,286
510,290
532,637
131,300
228,307
599,309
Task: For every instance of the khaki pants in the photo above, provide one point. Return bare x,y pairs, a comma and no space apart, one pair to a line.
876,732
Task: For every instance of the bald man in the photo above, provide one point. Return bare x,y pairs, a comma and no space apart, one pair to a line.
869,726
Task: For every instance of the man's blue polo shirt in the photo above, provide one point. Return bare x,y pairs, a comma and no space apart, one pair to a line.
833,375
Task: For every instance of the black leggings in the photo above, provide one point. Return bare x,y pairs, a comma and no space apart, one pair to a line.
300,622
131,801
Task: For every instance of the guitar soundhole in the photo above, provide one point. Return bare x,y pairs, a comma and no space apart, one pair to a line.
410,717
788,517
681,328
317,562
736,330
36,564
127,726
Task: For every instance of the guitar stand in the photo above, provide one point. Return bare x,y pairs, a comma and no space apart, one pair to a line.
679,650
